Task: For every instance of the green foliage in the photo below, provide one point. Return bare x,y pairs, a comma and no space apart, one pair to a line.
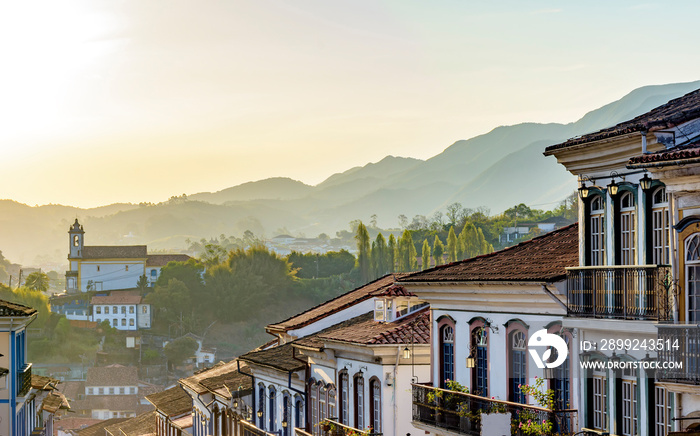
438,250
392,248
528,422
37,281
179,350
425,255
313,265
451,245
407,252
379,258
142,283
363,249
28,297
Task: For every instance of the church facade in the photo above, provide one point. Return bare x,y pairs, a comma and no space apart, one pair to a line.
110,267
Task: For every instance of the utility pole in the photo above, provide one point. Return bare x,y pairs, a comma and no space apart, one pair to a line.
10,283
19,281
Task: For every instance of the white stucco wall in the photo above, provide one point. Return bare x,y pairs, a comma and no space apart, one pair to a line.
116,274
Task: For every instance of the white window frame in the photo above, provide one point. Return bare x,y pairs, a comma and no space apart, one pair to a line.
597,230
660,225
628,228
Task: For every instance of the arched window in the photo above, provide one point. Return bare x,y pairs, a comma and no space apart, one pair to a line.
660,220
344,398
322,401
298,411
518,365
272,426
628,229
692,266
313,400
480,379
561,381
359,402
331,402
447,354
286,414
375,404
261,406
596,224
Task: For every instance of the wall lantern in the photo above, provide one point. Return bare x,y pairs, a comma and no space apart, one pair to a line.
260,413
406,353
235,404
284,424
613,188
645,182
583,191
471,361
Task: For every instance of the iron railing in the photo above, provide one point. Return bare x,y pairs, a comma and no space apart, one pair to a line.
461,412
24,380
620,292
331,427
678,353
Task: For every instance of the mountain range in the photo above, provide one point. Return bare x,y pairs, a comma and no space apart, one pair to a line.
497,170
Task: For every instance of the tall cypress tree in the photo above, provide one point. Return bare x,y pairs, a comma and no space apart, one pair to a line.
451,245
391,253
380,258
407,252
425,255
438,251
363,252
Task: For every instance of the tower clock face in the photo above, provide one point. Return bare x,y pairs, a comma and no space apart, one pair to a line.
76,240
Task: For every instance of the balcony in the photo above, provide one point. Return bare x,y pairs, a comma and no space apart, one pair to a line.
462,413
620,292
334,428
681,345
24,380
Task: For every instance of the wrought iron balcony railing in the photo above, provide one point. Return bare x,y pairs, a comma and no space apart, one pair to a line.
679,354
461,412
620,292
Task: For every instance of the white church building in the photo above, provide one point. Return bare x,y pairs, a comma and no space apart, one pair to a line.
110,267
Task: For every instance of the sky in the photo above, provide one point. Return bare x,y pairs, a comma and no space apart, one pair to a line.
131,100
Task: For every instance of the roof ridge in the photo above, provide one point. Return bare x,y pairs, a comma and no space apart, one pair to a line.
493,253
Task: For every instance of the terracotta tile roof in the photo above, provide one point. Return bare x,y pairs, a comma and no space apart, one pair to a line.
226,385
163,259
74,423
54,401
280,357
114,252
172,402
336,304
225,370
13,309
71,389
541,259
117,297
393,291
112,375
99,428
44,383
365,330
673,113
141,425
673,156
124,403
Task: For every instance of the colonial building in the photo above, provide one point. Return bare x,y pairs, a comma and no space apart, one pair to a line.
106,268
110,392
124,310
635,283
483,312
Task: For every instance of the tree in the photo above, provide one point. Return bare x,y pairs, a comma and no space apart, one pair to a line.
453,213
451,245
173,301
407,252
438,251
37,281
179,350
403,221
425,255
391,253
363,251
142,283
379,257
373,221
470,239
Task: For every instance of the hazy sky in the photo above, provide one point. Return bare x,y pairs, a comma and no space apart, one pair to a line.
138,100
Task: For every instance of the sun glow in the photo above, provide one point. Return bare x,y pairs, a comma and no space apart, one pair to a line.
49,51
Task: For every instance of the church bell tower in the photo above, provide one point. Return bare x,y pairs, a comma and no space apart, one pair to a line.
76,235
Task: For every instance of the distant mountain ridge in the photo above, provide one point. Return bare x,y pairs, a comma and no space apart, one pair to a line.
498,169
